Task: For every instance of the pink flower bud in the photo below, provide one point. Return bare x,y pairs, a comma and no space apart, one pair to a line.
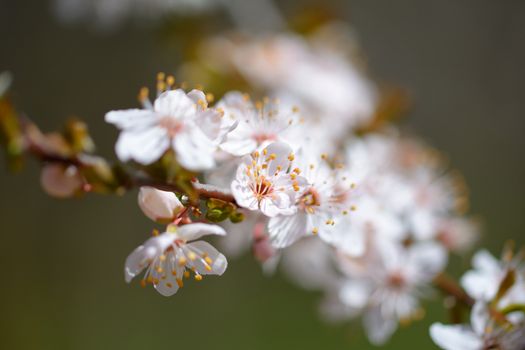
61,181
159,205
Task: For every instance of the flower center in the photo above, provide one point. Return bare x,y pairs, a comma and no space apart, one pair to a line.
260,138
396,280
172,125
310,200
262,187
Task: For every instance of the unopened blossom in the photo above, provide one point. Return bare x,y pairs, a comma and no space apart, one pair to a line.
176,120
484,332
320,208
170,257
259,123
265,182
61,181
159,205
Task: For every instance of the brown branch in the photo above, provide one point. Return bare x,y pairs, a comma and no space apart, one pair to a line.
450,287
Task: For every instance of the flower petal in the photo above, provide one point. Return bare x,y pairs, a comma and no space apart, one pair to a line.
131,118
194,231
286,230
455,337
144,146
175,103
218,261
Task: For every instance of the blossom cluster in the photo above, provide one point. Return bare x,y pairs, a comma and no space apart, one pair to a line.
305,169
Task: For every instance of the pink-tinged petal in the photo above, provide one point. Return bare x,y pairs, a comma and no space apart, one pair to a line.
455,337
244,196
176,104
144,146
286,230
165,282
159,205
194,231
217,263
135,263
131,118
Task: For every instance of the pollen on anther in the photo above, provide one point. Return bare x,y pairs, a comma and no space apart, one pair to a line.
143,283
186,274
315,231
182,261
180,283
198,277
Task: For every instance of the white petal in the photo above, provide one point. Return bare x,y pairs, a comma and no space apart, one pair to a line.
378,328
194,231
134,263
282,151
144,146
280,204
244,196
131,118
219,262
479,317
194,150
354,294
286,230
175,103
429,258
455,337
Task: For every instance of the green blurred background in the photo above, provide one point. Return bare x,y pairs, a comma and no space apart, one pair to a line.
62,261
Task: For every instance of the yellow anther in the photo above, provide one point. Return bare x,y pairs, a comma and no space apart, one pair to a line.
198,277
192,256
170,81
155,232
258,105
182,261
208,260
324,156
353,208
279,168
246,97
297,171
169,285
207,267
312,166
210,97
272,156
345,212
174,273
149,279
295,109
255,155
179,282
159,269
293,176
315,231
143,283
202,104
296,188
161,86
143,94
291,157
186,274
162,257
352,186
171,228
155,281
265,151
265,166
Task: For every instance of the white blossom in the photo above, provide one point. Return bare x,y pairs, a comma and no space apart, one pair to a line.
263,181
176,120
258,124
170,256
320,208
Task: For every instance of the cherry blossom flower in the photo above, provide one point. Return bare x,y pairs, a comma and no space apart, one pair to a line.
323,202
176,120
161,206
483,333
258,124
388,288
263,181
170,256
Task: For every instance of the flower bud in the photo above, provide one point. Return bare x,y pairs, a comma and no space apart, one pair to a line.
61,181
159,205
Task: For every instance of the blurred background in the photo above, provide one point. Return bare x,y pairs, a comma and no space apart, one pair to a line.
62,261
